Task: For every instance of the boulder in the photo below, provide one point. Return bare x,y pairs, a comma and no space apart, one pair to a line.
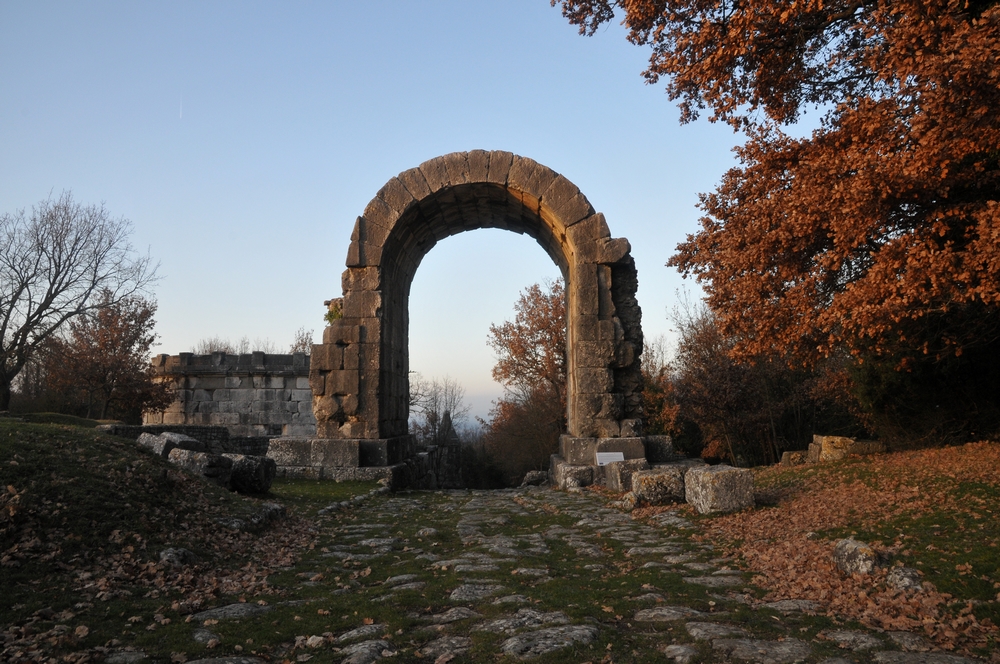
854,557
660,485
904,578
251,474
717,489
214,467
618,474
178,557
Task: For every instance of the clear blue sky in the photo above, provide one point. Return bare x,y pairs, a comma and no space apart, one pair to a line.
242,139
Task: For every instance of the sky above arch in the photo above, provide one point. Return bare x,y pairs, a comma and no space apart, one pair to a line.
242,139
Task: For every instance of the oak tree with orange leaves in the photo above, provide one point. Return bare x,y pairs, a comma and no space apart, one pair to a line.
878,234
525,424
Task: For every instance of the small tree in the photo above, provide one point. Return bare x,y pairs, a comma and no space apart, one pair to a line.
302,341
62,261
524,426
106,358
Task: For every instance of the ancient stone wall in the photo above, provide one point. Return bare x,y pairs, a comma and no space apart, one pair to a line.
254,394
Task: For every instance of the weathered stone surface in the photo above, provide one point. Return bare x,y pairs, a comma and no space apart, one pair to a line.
564,475
794,458
178,557
213,467
854,557
909,641
365,652
788,651
680,654
473,592
618,474
920,658
794,606
535,644
665,614
706,631
161,444
834,448
812,455
362,632
232,612
535,478
524,618
719,489
852,640
251,474
659,486
440,649
904,578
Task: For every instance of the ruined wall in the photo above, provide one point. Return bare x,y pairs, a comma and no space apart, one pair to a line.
255,394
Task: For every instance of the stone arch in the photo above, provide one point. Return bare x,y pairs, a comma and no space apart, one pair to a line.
359,374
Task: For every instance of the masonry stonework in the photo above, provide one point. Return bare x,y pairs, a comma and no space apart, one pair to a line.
359,374
255,394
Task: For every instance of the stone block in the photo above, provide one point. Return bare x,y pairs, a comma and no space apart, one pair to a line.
585,327
500,163
796,458
302,383
396,195
606,428
659,486
618,474
631,448
577,450
718,489
600,406
342,332
565,475
564,199
334,452
415,183
812,456
592,380
613,250
276,382
435,173
658,448
234,381
342,382
478,165
362,304
251,474
290,451
585,235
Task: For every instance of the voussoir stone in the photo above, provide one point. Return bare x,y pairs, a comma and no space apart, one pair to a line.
718,489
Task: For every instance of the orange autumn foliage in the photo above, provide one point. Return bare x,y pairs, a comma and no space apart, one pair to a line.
880,232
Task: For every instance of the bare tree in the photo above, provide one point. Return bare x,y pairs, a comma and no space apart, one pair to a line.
54,265
430,400
302,342
217,344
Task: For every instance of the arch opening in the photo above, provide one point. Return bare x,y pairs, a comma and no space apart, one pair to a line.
359,375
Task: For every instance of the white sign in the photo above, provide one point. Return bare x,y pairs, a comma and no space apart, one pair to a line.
604,458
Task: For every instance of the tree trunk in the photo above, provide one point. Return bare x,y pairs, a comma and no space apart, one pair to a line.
4,394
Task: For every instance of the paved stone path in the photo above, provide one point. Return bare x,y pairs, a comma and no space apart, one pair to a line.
543,575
